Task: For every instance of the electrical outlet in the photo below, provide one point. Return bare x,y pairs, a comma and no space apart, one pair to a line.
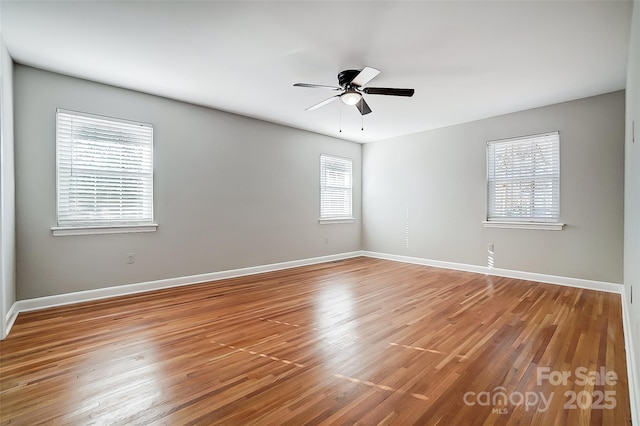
131,258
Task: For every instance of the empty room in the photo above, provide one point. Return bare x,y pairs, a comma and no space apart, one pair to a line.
320,212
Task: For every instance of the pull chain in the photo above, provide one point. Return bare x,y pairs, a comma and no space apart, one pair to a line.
340,118
362,123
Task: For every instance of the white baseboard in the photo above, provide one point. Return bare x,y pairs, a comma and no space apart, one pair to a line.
102,293
10,318
126,289
121,290
426,262
529,276
632,367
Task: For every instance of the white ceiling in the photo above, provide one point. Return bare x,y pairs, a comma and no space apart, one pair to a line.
466,60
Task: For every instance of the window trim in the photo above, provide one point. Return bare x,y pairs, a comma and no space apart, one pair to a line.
327,221
543,226
107,228
335,219
59,231
551,224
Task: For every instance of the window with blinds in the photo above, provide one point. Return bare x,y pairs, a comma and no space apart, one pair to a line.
336,184
523,179
104,171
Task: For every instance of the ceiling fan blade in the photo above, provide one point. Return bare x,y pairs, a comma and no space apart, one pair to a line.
323,103
364,76
317,86
363,107
388,91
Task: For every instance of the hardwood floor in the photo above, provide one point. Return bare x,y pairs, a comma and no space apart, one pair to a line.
362,341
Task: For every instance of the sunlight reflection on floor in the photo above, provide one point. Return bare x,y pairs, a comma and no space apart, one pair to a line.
122,399
335,313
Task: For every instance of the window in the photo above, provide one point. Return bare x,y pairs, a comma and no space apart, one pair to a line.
523,181
335,189
104,175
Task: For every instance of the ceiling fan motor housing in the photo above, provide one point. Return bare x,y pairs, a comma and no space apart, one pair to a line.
346,77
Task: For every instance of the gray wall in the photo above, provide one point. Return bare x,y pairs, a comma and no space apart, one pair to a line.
7,195
632,195
424,195
230,192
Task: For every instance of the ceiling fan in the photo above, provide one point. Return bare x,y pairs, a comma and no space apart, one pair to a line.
351,82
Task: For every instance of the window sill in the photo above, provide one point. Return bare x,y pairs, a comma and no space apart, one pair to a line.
336,220
60,231
546,226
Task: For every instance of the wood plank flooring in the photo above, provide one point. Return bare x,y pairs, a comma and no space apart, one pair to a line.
360,341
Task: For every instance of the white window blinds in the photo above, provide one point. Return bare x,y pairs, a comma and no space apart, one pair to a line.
336,184
523,177
104,171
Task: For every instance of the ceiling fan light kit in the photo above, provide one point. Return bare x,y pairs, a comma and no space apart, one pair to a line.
351,85
351,97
